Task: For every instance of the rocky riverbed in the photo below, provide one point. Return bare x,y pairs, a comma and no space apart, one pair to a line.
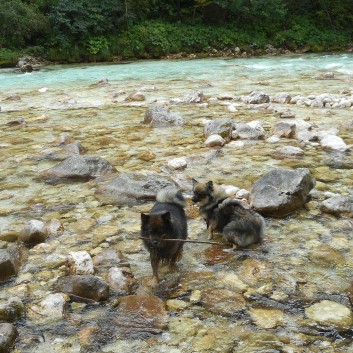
84,150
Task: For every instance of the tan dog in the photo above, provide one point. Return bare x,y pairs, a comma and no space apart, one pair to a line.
238,225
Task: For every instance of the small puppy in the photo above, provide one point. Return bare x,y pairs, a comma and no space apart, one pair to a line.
238,225
167,220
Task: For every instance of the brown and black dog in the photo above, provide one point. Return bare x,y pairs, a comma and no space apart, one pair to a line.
167,220
238,225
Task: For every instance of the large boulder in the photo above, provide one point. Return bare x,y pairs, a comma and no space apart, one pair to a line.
159,116
281,192
78,168
132,189
338,205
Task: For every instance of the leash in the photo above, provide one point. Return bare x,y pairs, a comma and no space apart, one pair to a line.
187,241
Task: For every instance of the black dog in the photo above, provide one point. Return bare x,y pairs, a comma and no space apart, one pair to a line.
167,220
237,224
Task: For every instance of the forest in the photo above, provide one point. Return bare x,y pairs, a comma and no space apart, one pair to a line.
70,31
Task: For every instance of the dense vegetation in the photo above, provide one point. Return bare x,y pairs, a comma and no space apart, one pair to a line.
90,30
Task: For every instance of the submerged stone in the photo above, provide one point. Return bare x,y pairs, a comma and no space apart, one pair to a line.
78,168
159,116
330,313
132,188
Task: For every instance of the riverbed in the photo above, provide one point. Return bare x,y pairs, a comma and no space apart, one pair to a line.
246,301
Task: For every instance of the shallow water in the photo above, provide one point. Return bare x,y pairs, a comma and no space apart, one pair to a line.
307,256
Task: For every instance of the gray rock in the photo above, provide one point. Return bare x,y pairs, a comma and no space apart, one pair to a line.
159,116
132,188
194,97
283,98
333,142
339,160
284,129
338,205
9,263
84,287
8,335
281,192
256,98
244,131
215,141
34,232
11,310
78,168
289,152
222,127
74,148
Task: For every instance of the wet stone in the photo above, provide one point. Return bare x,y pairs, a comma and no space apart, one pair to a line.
159,116
330,313
78,168
84,287
222,127
11,310
50,308
8,335
266,318
284,129
214,141
223,301
121,280
34,232
132,188
281,192
140,316
79,263
9,263
338,205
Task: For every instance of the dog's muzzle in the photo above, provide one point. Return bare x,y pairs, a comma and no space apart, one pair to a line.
154,243
195,199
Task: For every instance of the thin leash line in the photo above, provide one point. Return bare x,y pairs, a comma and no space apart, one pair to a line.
187,241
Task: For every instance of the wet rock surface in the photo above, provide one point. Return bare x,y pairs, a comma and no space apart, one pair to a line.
78,168
134,188
160,116
281,192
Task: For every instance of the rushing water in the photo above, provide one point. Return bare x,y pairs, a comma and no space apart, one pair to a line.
307,256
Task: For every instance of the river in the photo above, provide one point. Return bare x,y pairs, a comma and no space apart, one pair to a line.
247,301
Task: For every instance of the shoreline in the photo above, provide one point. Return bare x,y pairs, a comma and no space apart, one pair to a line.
28,63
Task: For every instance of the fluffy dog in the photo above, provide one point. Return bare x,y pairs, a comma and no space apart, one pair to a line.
167,220
238,225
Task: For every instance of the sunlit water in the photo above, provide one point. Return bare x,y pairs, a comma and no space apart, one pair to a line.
307,256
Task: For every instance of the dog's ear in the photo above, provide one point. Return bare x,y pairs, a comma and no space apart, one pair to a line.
166,216
145,218
194,181
210,185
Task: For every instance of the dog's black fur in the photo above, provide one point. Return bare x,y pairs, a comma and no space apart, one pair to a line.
238,225
167,220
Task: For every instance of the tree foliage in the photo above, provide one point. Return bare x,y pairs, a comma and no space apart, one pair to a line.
86,29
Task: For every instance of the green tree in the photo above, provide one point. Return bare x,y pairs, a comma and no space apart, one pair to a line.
20,24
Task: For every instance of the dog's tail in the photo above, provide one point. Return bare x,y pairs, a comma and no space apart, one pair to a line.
171,195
